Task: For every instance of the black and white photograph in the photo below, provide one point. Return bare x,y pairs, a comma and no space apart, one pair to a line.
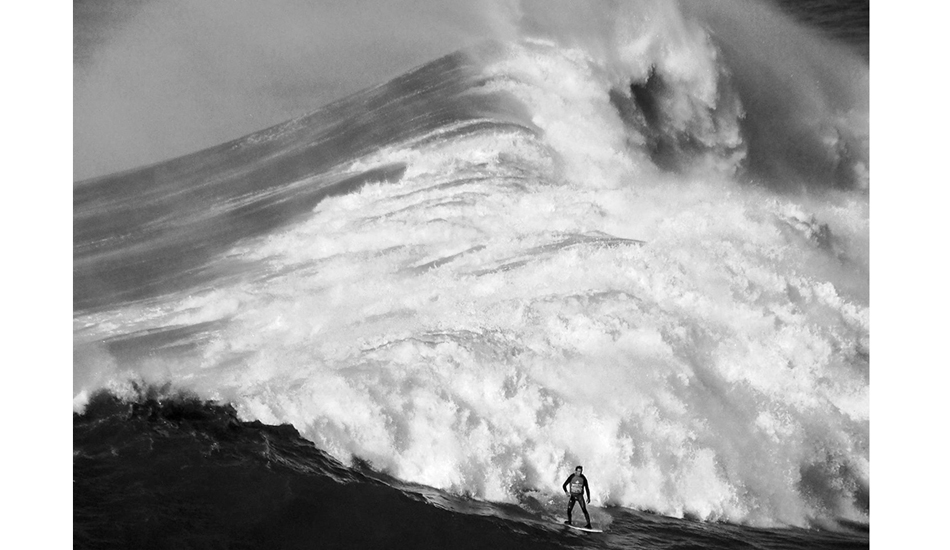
487,274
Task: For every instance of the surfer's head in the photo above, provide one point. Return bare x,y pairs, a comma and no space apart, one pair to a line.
579,469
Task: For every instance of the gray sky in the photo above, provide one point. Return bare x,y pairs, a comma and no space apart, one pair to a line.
154,79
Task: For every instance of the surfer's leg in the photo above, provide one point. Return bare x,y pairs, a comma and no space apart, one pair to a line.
570,507
584,509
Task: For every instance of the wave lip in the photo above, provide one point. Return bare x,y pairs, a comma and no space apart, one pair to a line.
145,232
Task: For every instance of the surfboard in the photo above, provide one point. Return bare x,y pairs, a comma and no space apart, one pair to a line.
585,529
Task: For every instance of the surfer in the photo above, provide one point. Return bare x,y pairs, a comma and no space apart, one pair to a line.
578,484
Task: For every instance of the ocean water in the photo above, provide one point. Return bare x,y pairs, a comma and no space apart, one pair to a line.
632,237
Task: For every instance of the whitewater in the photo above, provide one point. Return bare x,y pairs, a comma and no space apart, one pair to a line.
635,240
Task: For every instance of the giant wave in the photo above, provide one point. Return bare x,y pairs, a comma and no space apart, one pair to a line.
637,242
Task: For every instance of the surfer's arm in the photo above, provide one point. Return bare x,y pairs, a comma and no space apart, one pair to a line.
587,488
568,480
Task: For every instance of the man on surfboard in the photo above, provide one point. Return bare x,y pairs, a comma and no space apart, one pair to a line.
578,484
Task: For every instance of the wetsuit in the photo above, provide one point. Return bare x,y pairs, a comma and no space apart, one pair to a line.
578,485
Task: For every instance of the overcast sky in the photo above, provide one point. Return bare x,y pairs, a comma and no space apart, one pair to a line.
154,79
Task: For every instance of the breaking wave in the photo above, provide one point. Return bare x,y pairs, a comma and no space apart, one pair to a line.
636,241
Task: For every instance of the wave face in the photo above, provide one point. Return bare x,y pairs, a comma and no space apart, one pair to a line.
635,240
203,478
